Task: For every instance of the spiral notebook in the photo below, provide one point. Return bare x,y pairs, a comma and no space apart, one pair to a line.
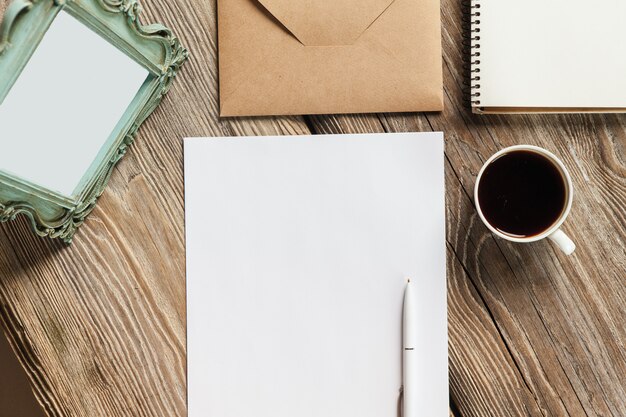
547,56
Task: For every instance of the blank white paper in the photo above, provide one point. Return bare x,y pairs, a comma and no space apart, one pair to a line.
552,53
298,252
65,105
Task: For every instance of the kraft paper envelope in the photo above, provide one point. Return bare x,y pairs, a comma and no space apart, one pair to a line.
329,56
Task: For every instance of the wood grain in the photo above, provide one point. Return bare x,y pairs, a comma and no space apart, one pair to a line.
100,326
16,396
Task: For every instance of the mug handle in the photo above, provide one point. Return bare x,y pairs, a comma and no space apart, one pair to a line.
563,242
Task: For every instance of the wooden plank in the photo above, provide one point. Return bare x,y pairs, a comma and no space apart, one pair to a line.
16,395
559,315
100,326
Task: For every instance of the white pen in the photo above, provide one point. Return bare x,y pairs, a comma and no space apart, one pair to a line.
409,353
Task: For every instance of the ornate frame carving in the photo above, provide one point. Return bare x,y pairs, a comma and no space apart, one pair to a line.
153,46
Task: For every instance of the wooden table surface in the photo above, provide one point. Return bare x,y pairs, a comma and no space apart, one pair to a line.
100,326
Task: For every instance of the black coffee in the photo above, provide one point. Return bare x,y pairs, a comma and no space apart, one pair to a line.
522,193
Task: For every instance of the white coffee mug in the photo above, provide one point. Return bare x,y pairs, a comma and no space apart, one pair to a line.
554,233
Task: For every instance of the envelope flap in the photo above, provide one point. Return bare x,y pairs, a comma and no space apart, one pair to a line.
326,22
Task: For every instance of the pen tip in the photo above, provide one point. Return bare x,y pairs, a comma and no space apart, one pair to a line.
408,281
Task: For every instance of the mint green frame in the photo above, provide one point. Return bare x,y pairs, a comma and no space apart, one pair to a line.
153,46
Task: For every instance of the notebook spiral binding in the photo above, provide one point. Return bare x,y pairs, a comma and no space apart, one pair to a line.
471,50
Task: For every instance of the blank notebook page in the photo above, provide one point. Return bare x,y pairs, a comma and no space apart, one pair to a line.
298,251
552,53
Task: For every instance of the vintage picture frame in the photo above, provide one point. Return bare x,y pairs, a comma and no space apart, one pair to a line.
152,46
